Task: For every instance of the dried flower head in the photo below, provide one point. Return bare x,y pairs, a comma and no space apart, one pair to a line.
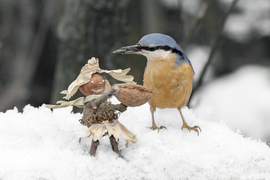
114,128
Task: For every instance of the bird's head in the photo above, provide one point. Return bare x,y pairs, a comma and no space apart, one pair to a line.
156,46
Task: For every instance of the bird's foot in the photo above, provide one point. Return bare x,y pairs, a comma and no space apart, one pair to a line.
194,128
158,128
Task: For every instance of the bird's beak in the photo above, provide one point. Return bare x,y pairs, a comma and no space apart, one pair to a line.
134,49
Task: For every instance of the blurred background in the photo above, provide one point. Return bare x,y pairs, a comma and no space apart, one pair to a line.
44,44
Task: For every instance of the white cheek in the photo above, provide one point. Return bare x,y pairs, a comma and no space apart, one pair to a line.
156,55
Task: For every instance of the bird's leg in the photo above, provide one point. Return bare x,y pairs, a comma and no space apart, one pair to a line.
154,126
185,125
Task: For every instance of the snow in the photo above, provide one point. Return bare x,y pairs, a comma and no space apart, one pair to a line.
242,99
42,144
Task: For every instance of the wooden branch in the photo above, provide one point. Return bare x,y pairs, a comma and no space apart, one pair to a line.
215,47
120,107
96,102
93,148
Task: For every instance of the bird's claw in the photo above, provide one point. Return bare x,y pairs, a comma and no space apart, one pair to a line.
158,128
194,128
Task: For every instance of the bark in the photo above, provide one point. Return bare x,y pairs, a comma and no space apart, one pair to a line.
27,49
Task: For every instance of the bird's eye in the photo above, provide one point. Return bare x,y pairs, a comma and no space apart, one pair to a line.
139,46
166,48
151,48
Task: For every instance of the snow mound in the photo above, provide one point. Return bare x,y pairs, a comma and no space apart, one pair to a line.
242,99
43,144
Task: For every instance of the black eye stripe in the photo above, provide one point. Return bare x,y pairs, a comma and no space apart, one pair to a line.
165,48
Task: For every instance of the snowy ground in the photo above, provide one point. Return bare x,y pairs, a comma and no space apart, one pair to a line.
43,144
242,99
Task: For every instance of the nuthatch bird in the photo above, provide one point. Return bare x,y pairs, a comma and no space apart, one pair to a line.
168,72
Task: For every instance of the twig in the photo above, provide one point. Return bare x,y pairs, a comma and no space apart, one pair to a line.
96,102
213,50
184,24
200,16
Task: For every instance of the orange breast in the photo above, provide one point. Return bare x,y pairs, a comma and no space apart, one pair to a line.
171,84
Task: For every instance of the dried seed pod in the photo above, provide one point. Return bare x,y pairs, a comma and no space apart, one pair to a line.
132,94
96,85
